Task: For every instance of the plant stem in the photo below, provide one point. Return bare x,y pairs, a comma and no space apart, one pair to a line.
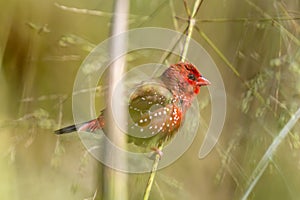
267,157
191,25
152,174
114,182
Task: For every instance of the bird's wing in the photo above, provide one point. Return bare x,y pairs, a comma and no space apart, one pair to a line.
152,110
147,97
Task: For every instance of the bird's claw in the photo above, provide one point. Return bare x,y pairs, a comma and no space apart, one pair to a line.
156,151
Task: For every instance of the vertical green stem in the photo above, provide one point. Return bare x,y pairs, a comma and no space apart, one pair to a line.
152,174
187,39
192,22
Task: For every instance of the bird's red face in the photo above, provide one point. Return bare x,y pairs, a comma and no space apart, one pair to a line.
191,76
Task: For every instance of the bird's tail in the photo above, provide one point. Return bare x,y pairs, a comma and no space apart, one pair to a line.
68,129
85,126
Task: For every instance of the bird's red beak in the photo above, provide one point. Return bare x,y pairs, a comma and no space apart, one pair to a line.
202,81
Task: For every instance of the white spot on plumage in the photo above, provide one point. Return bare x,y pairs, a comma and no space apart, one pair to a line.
136,109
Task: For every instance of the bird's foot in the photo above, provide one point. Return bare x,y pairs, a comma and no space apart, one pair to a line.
156,151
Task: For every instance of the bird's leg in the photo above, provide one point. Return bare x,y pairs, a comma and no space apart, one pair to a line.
157,151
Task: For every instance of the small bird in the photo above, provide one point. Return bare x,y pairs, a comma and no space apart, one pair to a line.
157,107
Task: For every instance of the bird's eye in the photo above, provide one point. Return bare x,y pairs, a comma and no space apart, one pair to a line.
192,77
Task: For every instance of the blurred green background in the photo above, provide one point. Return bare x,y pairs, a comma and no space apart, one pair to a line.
255,45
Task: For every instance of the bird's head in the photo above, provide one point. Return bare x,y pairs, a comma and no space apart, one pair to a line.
184,78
